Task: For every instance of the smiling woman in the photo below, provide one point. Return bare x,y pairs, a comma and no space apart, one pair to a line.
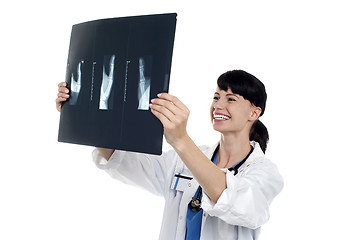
209,192
240,91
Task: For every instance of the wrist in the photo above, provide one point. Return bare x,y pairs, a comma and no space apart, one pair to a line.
182,143
105,153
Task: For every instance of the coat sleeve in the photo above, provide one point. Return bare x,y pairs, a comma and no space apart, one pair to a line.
150,172
245,202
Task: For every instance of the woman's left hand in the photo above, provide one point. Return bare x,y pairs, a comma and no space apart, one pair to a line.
174,116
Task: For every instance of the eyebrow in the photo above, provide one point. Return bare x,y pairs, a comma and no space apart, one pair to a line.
231,94
228,94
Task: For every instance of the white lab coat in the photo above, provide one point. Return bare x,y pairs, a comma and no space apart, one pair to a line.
239,212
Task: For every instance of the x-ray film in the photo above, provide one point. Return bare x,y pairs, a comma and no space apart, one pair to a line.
115,67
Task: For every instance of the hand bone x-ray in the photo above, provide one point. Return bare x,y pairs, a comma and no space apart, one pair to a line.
144,84
107,82
75,85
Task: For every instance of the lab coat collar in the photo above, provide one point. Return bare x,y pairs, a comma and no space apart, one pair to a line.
257,151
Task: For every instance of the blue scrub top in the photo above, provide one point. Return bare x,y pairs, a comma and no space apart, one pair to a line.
194,219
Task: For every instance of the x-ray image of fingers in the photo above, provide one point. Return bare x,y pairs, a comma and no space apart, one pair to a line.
144,83
75,85
107,82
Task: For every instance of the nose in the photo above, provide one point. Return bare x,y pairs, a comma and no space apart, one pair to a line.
219,104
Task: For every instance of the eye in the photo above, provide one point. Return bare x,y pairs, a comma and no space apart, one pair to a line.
215,98
231,99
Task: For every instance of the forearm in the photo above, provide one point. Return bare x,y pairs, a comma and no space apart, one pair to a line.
208,175
173,114
105,153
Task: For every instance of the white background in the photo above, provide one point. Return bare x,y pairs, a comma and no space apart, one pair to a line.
307,53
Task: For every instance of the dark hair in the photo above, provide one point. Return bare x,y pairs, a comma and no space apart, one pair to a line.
250,88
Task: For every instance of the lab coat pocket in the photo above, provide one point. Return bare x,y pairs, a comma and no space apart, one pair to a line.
180,181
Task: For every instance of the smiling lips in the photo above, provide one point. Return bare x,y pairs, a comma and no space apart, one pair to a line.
220,117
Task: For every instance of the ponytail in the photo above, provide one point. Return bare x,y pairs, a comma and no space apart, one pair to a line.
259,134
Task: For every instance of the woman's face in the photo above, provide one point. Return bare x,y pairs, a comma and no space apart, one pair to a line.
231,113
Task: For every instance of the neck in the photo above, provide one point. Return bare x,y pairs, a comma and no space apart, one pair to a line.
232,149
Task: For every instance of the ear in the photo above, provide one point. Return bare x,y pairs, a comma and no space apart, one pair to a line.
256,112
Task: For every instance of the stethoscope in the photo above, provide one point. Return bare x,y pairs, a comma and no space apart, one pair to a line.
195,203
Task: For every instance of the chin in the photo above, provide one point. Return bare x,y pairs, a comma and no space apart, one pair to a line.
218,128
225,129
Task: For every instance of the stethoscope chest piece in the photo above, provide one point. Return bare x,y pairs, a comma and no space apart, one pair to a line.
195,204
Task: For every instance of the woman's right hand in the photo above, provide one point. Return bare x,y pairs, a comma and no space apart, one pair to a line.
63,95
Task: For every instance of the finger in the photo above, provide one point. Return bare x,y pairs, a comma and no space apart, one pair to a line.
172,99
62,84
166,104
63,95
164,111
63,90
59,100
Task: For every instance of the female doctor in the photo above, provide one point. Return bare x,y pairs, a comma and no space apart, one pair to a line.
219,192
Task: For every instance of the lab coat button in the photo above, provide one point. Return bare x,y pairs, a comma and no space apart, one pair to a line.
189,184
180,218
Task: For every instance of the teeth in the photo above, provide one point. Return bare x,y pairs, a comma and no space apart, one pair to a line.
220,117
